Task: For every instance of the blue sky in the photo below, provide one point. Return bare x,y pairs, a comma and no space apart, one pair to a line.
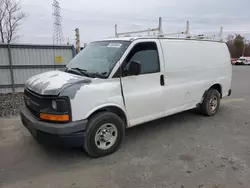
96,18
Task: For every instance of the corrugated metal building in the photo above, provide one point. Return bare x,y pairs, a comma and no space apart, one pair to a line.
18,62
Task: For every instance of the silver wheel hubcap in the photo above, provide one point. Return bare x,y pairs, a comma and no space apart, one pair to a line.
213,103
106,136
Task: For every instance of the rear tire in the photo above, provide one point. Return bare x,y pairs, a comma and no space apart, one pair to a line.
104,134
211,103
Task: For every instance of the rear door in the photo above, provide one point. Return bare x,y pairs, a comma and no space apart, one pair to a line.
143,93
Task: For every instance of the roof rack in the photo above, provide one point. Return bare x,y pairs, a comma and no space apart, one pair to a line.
159,33
157,29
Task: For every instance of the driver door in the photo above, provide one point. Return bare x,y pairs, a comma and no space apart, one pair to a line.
143,93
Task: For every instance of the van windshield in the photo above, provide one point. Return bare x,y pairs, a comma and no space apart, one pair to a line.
98,58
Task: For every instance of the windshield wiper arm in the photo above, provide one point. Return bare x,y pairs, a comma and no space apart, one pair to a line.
86,73
78,69
91,74
82,71
100,75
73,71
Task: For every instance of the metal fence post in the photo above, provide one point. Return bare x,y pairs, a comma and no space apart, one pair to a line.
11,68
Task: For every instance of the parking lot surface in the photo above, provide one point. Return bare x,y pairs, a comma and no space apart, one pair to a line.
186,150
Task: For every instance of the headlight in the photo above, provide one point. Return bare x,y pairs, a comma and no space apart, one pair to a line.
54,105
57,109
60,105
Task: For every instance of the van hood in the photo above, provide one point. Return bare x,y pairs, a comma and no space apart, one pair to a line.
54,82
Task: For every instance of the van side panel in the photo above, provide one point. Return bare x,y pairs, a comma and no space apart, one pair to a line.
192,67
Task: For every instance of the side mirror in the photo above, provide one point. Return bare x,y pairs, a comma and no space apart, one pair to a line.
134,68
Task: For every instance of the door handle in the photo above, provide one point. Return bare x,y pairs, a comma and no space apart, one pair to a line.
162,81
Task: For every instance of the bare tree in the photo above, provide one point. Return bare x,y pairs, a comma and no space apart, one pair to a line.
10,17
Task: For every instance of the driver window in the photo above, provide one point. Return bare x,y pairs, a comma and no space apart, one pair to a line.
145,53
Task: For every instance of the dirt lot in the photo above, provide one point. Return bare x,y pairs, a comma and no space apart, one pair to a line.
186,150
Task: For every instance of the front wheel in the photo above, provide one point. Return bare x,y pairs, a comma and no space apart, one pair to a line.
105,132
211,103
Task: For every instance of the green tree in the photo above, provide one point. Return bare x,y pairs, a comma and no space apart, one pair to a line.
230,44
247,50
239,45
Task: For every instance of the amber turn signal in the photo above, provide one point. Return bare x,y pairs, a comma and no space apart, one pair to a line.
54,117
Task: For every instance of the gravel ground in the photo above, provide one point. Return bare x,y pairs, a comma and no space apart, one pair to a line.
185,150
10,104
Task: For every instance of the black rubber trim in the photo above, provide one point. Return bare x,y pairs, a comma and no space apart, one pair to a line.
30,121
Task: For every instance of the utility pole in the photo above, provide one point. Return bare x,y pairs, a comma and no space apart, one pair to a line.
220,34
188,30
78,48
160,32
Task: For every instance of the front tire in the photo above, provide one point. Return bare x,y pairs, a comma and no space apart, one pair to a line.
211,103
104,134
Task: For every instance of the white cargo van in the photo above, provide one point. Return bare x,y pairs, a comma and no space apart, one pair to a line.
118,83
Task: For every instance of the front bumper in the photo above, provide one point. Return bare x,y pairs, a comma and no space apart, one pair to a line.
68,134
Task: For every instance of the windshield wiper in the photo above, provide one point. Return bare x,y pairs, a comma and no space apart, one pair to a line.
72,71
91,74
79,71
86,73
82,71
99,75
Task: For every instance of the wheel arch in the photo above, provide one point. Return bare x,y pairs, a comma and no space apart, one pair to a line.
216,86
114,108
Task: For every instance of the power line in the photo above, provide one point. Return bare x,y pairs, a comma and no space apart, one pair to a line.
58,35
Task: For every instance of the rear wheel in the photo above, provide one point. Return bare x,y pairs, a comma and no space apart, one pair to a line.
211,103
105,132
